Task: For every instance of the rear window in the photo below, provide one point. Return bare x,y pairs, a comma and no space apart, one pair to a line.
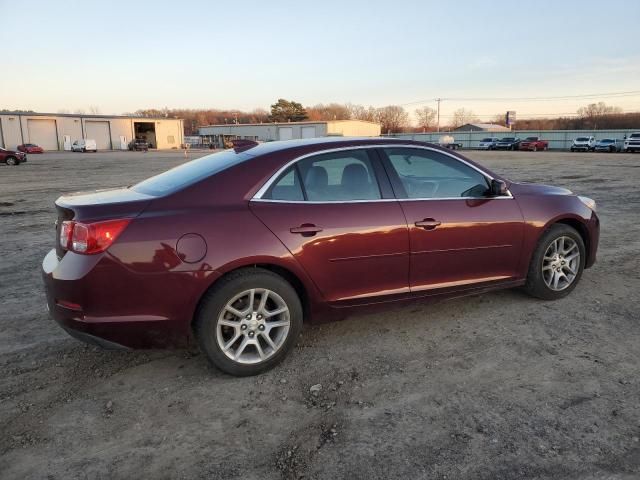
189,173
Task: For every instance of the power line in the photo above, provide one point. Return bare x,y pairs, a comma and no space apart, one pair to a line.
516,99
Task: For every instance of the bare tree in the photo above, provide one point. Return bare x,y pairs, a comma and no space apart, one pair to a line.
392,118
330,111
94,110
359,112
593,113
426,117
462,116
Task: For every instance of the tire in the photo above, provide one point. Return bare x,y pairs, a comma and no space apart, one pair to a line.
214,309
536,285
535,148
13,161
573,149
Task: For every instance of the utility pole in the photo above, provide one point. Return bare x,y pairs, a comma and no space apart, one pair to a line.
438,100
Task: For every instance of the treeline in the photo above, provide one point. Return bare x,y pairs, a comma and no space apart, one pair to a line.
395,118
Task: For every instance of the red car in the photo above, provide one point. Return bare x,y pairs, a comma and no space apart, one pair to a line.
30,148
237,248
533,144
11,157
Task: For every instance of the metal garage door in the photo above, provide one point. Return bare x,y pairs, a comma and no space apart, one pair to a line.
98,131
285,133
308,132
43,133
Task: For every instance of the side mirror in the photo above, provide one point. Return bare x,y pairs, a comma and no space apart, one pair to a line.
498,188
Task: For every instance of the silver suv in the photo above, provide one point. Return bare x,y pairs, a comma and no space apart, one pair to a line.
632,143
585,144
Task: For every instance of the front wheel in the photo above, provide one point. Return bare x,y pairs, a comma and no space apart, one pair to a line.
557,263
12,161
535,149
249,321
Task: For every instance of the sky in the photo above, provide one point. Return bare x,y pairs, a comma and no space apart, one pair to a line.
120,56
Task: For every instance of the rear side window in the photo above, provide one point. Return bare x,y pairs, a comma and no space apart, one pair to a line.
286,188
330,177
431,174
339,176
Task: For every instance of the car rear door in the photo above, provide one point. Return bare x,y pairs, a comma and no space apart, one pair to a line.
459,237
336,214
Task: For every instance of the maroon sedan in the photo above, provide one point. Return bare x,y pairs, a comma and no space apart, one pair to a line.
237,248
11,157
30,148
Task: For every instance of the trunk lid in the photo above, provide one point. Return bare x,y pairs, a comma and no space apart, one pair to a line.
98,205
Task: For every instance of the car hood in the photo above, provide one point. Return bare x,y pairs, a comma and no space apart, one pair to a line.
517,188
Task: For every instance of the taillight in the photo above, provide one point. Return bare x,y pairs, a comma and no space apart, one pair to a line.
89,238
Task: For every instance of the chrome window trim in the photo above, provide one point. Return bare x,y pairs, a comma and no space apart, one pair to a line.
263,190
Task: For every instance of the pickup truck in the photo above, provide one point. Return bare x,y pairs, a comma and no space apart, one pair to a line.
632,143
534,144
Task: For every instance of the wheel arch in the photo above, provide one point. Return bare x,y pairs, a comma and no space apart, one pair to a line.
577,225
286,273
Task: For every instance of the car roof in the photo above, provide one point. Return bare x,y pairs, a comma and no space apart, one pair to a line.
324,143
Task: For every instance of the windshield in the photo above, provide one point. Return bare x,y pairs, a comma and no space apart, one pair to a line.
189,173
635,135
507,139
607,140
531,139
487,139
582,139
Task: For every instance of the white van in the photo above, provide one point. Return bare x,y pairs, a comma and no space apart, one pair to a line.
84,146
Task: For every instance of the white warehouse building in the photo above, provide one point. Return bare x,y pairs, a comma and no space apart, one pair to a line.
57,131
218,135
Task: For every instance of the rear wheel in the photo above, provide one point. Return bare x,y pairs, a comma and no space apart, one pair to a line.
557,263
249,321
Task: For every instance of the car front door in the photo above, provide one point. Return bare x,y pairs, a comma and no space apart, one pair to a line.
460,238
336,214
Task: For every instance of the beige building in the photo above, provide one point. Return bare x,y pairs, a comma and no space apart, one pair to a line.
265,132
59,131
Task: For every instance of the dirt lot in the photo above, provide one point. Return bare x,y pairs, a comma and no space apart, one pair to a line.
488,387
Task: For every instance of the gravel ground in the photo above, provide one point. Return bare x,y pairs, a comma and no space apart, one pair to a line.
487,387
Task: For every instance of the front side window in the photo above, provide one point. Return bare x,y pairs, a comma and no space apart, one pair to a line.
431,174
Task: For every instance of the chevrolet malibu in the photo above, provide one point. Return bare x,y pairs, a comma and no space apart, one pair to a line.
236,249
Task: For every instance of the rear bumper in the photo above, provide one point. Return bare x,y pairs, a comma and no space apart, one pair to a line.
99,302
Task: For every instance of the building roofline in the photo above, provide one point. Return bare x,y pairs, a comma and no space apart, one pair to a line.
84,115
305,122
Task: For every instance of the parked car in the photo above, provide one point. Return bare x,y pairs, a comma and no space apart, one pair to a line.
447,141
488,143
84,146
608,145
30,148
139,145
533,144
237,248
508,143
11,157
632,143
584,144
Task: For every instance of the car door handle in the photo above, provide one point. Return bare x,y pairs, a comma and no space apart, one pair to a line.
428,224
306,229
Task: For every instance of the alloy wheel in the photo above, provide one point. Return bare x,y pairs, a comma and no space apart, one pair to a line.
253,326
561,263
